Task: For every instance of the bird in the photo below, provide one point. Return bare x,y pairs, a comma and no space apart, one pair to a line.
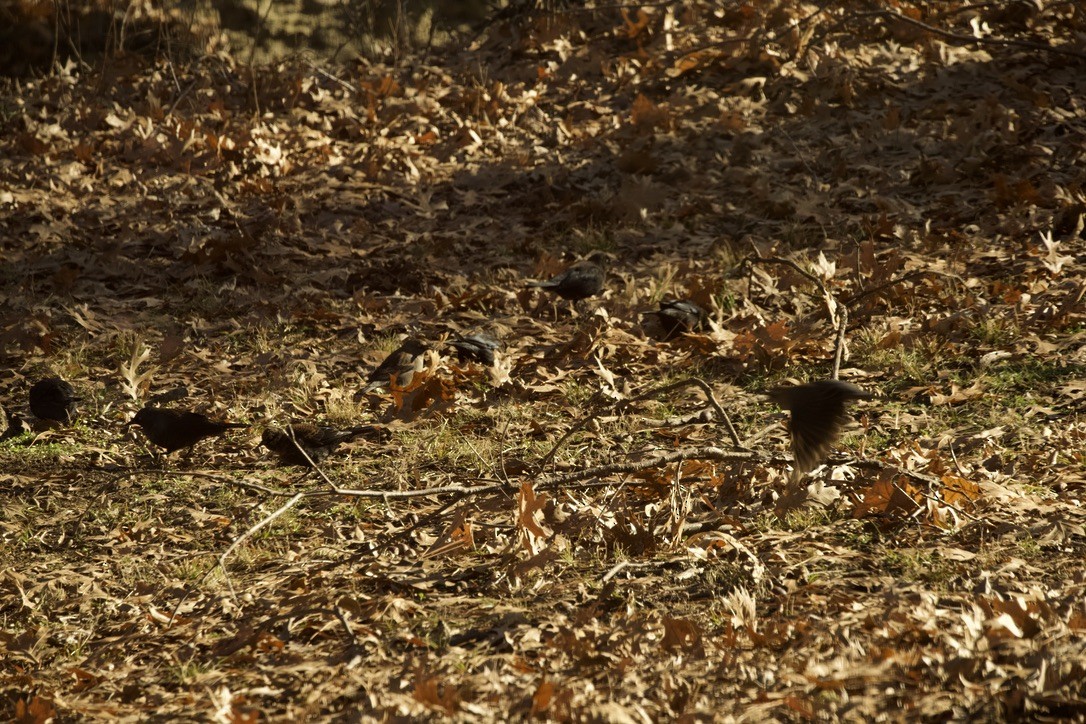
402,363
176,429
817,414
53,399
678,316
580,281
318,441
12,425
478,347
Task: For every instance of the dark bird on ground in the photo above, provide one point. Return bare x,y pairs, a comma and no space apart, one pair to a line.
53,399
402,363
317,440
478,347
11,425
817,414
580,281
678,316
176,429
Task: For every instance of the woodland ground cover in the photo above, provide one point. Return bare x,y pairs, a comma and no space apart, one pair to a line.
549,537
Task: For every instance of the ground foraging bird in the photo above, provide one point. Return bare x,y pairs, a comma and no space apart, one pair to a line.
53,399
582,280
318,441
478,347
401,364
176,429
678,316
817,414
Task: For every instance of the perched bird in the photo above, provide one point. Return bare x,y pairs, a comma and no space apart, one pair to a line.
478,347
678,316
580,281
402,363
817,414
53,399
176,429
317,440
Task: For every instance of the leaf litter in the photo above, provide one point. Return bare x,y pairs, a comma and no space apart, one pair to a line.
542,538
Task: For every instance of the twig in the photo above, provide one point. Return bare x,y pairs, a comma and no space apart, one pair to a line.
320,71
221,561
305,454
690,381
928,480
615,570
406,494
966,39
201,475
831,303
703,453
261,524
915,274
840,347
838,314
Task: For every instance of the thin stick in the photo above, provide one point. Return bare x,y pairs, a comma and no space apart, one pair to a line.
305,454
827,298
688,382
840,345
967,39
704,453
261,524
920,477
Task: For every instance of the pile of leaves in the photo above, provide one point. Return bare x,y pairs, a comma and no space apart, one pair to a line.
571,532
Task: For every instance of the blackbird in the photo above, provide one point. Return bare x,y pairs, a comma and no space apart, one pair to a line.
11,425
580,281
402,363
678,316
478,347
317,440
176,429
53,399
818,412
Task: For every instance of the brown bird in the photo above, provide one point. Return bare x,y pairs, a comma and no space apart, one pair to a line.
582,280
402,363
53,399
817,414
317,440
176,429
678,316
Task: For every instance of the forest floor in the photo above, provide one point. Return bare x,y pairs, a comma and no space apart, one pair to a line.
553,536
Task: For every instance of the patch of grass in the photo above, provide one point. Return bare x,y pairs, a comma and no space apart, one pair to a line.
726,300
806,518
1029,548
909,365
1029,374
996,331
16,452
857,534
187,673
577,393
920,566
